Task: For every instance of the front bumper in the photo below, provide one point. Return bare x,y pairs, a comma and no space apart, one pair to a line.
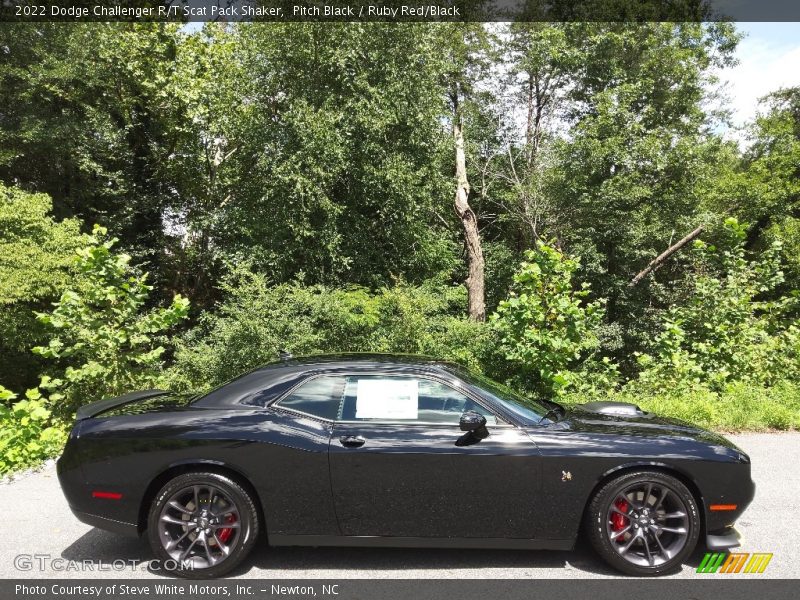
724,540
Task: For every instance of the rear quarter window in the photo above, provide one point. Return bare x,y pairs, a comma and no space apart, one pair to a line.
319,397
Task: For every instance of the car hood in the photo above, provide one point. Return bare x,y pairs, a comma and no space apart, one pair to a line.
640,423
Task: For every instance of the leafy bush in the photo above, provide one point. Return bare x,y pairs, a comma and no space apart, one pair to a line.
101,334
734,327
35,250
28,434
546,328
36,253
256,321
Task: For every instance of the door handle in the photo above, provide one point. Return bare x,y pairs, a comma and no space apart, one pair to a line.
352,441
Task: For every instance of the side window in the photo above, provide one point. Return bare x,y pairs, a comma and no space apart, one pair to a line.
319,397
440,402
395,398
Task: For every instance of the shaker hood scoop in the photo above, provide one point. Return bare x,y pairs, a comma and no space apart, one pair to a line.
614,409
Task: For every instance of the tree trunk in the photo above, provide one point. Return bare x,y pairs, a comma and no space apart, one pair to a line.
656,262
475,279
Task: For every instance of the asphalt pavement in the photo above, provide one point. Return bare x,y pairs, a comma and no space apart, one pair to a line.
42,539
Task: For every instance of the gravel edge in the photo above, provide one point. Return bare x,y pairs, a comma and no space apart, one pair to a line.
18,475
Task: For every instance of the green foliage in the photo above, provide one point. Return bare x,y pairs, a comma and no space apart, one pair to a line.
35,250
785,231
773,184
337,128
740,406
101,335
764,187
36,254
729,329
256,320
28,435
89,119
631,174
547,328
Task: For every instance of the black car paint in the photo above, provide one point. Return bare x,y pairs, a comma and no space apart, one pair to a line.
525,485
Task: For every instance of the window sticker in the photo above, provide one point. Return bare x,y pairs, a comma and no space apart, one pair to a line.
387,398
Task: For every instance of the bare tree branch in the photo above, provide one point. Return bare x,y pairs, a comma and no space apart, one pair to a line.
658,260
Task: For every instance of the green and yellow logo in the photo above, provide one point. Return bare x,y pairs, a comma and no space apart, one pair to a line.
734,562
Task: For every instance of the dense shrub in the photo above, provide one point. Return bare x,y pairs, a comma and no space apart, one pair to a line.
36,257
104,340
28,433
257,320
105,343
736,326
547,329
728,357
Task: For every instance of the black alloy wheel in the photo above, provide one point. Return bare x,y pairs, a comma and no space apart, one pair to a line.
644,523
202,525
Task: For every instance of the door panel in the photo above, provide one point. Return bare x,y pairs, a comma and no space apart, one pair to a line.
412,479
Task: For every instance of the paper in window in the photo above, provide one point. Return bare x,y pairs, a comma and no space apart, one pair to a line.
387,398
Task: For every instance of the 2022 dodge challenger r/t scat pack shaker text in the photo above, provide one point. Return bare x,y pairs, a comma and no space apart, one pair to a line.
376,450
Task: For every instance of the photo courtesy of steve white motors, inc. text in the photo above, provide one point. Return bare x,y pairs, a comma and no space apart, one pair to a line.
193,590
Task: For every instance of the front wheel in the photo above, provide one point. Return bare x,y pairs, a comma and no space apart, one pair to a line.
644,523
202,525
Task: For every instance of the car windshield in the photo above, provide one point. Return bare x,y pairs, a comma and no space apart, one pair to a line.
528,409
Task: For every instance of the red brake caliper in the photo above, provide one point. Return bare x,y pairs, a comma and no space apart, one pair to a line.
225,534
618,521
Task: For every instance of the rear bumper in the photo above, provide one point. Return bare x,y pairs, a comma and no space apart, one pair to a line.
79,497
128,529
724,540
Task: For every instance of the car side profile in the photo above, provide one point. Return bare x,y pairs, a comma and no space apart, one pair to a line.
387,450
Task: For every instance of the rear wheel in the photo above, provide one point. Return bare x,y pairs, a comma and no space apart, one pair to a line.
644,523
202,525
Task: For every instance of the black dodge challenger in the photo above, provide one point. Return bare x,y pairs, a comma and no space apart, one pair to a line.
377,450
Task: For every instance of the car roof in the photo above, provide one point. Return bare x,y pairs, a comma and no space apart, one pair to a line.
273,379
360,358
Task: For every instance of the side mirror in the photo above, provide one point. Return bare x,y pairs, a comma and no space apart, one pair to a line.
472,421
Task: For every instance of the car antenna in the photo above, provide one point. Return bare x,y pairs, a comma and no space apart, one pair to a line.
285,355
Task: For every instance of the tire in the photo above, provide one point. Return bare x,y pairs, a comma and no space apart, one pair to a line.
639,528
202,525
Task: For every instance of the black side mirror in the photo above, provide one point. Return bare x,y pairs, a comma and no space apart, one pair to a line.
472,421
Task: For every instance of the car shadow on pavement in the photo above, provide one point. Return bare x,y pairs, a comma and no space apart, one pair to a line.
581,561
103,547
100,549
